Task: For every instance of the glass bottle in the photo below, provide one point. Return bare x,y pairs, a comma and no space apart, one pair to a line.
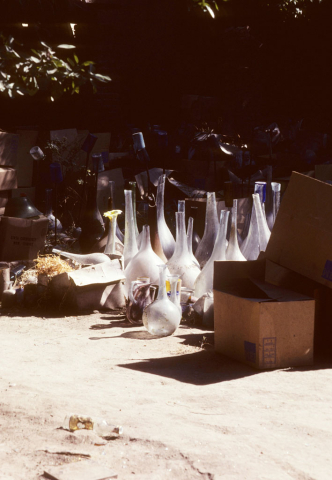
263,229
99,425
161,317
204,281
139,297
190,240
269,198
89,259
206,245
130,244
181,262
49,212
276,188
154,235
196,238
165,235
133,189
174,294
233,251
111,238
144,263
92,223
250,246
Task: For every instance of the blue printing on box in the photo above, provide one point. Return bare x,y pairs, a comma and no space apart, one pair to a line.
250,351
269,351
327,272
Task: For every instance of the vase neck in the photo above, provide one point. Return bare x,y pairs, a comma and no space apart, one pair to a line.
190,235
233,236
161,197
181,246
162,293
173,281
219,251
211,217
110,246
130,236
181,206
146,240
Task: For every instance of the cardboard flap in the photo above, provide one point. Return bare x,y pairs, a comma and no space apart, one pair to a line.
103,273
279,294
301,239
225,272
245,288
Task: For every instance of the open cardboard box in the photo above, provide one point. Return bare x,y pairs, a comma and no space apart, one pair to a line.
258,323
301,238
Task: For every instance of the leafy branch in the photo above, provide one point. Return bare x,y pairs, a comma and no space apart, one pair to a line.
26,73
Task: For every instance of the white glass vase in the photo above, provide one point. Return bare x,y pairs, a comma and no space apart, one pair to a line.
205,247
130,244
165,235
233,252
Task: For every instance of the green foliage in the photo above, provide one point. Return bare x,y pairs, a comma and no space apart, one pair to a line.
26,73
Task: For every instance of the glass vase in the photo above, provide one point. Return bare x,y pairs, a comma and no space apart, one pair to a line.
161,317
110,247
130,244
133,189
154,235
263,229
190,232
204,281
165,235
181,262
111,206
206,245
174,293
139,297
144,263
233,252
250,246
196,238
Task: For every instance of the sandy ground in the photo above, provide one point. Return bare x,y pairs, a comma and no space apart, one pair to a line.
186,412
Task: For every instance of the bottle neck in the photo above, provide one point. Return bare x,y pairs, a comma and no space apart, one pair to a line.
110,247
146,241
181,246
161,197
211,217
219,251
190,235
162,294
233,235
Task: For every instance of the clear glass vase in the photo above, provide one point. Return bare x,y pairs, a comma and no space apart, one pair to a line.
162,317
204,281
205,247
145,263
233,252
130,244
165,235
263,229
49,212
181,262
250,246
111,238
190,231
139,297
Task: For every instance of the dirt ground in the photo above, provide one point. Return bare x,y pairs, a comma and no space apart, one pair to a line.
186,412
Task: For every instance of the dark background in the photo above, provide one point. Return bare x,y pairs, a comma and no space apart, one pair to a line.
156,51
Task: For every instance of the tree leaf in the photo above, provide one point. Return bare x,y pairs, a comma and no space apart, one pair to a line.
76,58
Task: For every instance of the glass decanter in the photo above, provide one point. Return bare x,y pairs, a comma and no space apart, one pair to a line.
89,259
205,247
174,290
130,244
204,281
190,231
49,212
144,263
110,247
263,229
162,317
139,297
233,252
181,262
165,235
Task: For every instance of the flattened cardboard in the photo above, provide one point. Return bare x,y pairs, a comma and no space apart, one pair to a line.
323,172
102,273
8,149
4,195
259,324
8,178
24,166
21,238
301,239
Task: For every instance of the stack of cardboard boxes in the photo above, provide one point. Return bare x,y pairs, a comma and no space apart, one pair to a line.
273,312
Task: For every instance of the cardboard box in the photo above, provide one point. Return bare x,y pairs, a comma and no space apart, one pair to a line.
8,149
8,178
285,278
258,323
323,173
301,239
4,195
22,239
24,166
